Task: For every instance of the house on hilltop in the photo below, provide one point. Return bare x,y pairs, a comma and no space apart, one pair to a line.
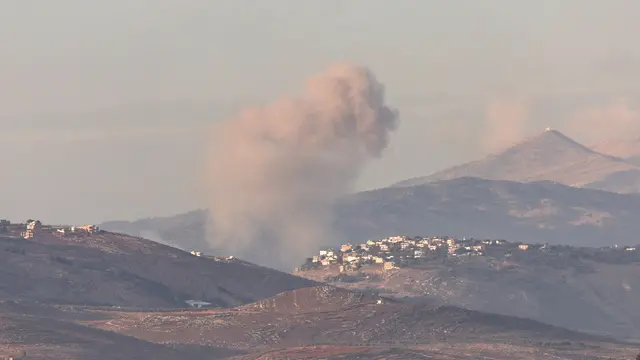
389,265
91,229
346,248
33,226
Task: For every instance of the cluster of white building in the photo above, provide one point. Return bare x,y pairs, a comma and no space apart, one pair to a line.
395,249
71,230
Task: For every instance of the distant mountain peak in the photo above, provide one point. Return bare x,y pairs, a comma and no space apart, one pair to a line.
548,155
552,135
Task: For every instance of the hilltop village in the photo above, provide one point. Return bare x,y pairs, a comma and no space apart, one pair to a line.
31,229
404,251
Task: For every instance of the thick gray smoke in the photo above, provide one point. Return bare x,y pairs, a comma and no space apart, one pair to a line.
277,171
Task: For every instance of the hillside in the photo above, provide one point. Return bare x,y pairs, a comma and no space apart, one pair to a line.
548,156
48,332
456,351
558,285
314,299
184,231
361,328
107,269
253,326
529,212
43,338
328,323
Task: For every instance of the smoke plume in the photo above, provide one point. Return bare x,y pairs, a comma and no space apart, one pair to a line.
277,171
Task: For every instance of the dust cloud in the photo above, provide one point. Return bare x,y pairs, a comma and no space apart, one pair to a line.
275,172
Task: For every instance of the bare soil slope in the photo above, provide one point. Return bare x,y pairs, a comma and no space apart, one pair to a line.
328,323
50,332
361,322
566,289
108,269
443,351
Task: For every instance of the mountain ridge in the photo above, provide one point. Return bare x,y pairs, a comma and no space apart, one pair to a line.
528,212
549,155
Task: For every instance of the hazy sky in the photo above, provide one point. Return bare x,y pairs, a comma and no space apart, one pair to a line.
106,104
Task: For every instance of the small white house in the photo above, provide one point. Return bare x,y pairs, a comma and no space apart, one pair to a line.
197,304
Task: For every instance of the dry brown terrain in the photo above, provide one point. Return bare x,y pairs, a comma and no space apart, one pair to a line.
441,351
108,269
346,318
570,288
312,323
54,332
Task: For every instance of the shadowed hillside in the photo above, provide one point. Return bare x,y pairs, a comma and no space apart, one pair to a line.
529,212
586,289
107,269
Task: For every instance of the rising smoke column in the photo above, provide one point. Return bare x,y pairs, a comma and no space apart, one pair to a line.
277,171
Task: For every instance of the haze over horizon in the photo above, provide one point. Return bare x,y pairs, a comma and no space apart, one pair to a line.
105,105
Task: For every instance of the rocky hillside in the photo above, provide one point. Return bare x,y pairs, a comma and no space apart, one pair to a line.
363,326
439,352
108,269
583,289
49,332
548,156
338,324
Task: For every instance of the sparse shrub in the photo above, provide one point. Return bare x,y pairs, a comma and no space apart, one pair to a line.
16,250
62,260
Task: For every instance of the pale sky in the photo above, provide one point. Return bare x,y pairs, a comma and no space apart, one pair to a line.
105,104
